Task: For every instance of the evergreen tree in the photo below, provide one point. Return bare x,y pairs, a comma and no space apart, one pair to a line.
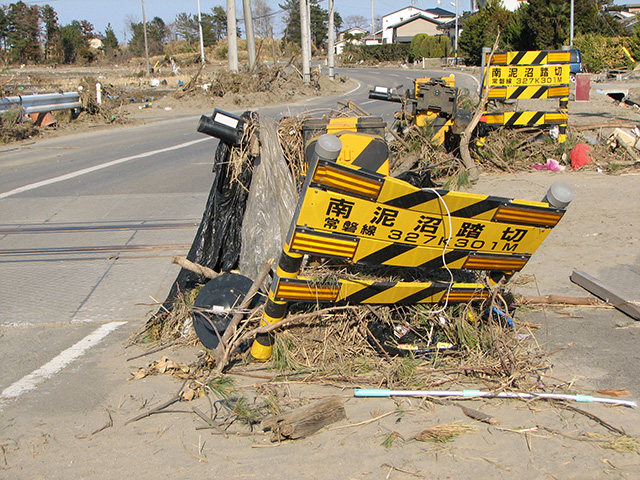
157,36
4,33
110,41
590,16
23,32
216,24
545,24
51,33
319,20
74,41
481,29
186,27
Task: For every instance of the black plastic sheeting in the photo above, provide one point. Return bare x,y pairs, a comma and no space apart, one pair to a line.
218,242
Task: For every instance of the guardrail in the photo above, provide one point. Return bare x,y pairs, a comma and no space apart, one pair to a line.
40,103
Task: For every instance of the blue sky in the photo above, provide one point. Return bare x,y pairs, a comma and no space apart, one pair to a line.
116,12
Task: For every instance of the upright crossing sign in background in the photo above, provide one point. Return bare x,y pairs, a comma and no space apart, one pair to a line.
538,74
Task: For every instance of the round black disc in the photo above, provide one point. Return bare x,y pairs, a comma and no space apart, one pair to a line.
219,296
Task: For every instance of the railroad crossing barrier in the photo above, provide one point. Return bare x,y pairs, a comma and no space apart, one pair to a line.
536,74
364,217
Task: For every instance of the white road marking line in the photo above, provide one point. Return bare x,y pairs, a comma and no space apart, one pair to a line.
370,101
95,168
49,369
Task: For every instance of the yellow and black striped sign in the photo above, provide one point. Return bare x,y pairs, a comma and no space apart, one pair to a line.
498,254
366,218
398,194
360,151
512,119
523,75
370,292
510,93
530,57
362,138
438,124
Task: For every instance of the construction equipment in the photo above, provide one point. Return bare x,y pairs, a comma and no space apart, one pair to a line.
432,103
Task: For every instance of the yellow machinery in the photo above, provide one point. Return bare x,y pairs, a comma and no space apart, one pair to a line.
432,103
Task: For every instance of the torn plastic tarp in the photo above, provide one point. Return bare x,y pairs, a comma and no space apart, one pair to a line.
271,204
218,242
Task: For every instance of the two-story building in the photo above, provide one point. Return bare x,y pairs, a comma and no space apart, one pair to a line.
402,26
355,35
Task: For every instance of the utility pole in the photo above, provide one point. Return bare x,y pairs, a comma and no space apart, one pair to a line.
232,36
146,45
200,31
571,27
373,18
330,46
455,48
248,27
308,2
304,34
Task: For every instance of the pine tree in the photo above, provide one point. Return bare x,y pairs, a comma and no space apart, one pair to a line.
23,32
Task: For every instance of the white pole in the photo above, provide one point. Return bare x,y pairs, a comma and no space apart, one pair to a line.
455,48
330,46
146,45
200,32
304,42
373,18
571,27
232,37
248,27
309,40
383,392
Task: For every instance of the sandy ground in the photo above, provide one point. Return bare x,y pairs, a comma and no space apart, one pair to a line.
532,440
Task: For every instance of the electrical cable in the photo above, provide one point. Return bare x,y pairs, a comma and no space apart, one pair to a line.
444,251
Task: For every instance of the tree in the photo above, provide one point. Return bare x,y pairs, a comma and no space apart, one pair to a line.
545,24
591,17
157,36
480,30
186,27
110,40
356,21
52,48
319,20
74,41
23,32
262,18
4,32
215,25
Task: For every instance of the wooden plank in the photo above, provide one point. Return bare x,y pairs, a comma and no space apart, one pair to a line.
304,421
602,291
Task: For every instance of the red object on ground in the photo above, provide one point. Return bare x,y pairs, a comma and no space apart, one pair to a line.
579,155
583,86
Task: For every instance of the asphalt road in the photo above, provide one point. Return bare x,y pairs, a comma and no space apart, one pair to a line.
88,225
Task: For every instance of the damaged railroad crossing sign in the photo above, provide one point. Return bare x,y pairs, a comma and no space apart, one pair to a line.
367,218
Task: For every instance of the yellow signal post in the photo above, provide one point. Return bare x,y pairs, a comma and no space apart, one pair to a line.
536,74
